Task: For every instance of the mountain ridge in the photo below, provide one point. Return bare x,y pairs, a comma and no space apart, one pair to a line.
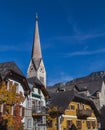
94,76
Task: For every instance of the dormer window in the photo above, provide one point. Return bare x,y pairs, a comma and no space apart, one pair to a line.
72,107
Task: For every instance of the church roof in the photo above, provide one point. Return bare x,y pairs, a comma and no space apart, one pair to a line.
35,82
36,49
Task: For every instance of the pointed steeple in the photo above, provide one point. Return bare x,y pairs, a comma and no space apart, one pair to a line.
36,67
36,50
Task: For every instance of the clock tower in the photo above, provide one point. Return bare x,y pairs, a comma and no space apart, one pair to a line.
36,67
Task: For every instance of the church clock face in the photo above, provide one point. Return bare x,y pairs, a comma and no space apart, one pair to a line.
31,68
41,69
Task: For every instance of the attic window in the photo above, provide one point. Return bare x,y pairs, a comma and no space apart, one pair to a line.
72,107
80,106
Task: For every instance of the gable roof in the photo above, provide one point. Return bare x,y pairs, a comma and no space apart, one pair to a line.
62,100
92,86
35,82
80,89
11,70
7,66
92,82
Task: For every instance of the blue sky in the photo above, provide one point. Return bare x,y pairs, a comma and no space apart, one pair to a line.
72,34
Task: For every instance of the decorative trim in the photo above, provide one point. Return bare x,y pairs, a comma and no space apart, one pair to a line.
36,95
94,118
70,116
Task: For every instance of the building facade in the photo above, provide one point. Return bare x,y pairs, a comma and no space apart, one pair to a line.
36,76
37,103
95,90
15,92
70,110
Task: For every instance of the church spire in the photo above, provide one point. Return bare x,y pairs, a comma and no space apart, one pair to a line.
36,50
36,67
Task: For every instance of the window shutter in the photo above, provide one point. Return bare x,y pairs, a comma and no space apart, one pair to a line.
23,111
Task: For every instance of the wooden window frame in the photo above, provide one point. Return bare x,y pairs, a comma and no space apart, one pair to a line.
72,107
69,123
79,124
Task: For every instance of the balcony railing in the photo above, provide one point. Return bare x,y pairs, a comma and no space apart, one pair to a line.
84,113
39,111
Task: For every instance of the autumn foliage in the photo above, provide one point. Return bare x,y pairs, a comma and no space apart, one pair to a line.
11,110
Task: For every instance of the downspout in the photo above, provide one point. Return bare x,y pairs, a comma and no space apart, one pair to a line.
58,122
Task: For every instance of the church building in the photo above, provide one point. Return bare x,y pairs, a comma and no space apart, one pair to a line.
36,66
36,77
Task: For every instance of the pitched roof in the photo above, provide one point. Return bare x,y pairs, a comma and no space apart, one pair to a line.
80,89
92,82
11,70
92,86
62,100
35,82
36,49
7,66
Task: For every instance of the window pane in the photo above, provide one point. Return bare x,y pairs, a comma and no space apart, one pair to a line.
72,107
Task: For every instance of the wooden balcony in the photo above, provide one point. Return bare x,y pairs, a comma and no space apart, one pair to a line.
38,111
83,113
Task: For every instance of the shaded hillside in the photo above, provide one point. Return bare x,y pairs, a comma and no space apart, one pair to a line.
94,77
